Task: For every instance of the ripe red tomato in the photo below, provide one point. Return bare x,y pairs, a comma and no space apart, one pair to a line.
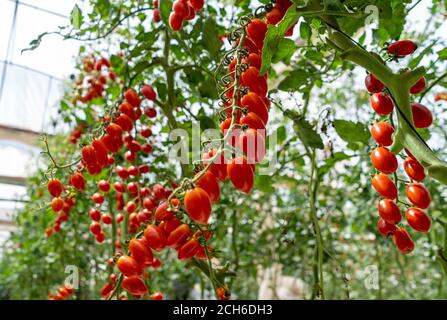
157,15
384,186
198,205
414,169
55,187
189,249
159,192
122,172
95,215
104,185
126,108
140,252
144,168
133,171
145,131
180,8
134,285
373,85
155,237
164,211
252,144
256,30
253,60
384,160
170,225
382,133
119,218
386,229
219,166
98,198
254,103
422,117
57,204
389,211
402,48
157,296
418,195
132,97
95,228
419,86
118,186
178,236
106,218
197,4
124,122
252,120
382,103
128,266
107,288
131,207
210,184
77,180
275,15
148,92
223,294
241,174
150,112
114,130
418,219
403,241
175,21
256,83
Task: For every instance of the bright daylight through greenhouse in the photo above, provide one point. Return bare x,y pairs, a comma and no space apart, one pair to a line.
237,152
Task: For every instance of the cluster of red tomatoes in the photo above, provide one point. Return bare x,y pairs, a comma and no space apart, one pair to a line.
63,293
184,10
60,205
93,86
76,134
386,162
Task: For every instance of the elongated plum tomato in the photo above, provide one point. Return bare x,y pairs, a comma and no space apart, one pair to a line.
402,48
384,186
180,8
275,15
148,92
414,169
373,85
252,144
198,205
155,237
197,4
54,187
382,103
241,174
166,212
251,79
157,296
419,86
175,21
140,252
422,117
189,249
210,184
134,285
256,30
418,195
382,133
219,166
418,219
389,211
77,180
386,229
255,104
57,204
384,160
252,120
128,266
178,236
132,97
403,241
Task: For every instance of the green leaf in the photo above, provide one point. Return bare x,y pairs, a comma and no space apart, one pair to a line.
285,51
293,81
274,36
415,62
103,8
306,133
76,17
210,37
442,54
330,163
264,183
352,132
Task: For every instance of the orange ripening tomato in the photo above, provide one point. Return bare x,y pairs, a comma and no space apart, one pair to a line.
418,195
140,252
128,266
384,160
219,166
382,133
256,30
134,285
256,83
